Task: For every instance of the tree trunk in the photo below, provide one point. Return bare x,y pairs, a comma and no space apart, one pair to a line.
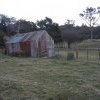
91,30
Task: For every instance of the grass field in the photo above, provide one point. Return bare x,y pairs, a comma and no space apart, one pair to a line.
48,79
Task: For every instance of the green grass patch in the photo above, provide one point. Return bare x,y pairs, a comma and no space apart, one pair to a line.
48,79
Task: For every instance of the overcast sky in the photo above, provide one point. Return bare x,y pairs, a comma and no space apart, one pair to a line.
58,10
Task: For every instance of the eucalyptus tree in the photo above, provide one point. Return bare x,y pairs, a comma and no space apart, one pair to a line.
91,16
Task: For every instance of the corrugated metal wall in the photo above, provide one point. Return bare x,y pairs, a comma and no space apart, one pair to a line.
33,48
25,48
42,49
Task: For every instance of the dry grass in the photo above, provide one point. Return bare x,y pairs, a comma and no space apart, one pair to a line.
48,79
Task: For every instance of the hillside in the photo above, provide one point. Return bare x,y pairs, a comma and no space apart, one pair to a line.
95,43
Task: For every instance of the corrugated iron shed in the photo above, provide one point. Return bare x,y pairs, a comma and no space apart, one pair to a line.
37,43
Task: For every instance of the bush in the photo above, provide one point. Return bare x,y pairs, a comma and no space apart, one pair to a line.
70,56
2,40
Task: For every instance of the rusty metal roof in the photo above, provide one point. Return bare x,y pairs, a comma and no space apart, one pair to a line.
26,36
16,38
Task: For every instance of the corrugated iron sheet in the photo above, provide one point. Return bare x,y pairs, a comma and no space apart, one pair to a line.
26,36
16,38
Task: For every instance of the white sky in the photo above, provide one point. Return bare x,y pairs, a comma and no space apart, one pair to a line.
58,10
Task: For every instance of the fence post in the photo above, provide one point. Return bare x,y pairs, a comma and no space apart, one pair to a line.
1,54
99,53
76,53
87,54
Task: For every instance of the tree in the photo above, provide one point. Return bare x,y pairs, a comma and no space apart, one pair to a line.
70,22
6,23
89,15
70,34
23,26
3,22
83,31
97,32
51,27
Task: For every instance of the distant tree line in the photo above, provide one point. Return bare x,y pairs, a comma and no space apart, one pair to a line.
67,32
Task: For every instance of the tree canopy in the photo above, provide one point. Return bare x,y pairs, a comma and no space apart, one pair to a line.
51,27
70,34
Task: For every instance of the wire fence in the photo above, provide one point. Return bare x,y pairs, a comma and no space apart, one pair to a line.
87,54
